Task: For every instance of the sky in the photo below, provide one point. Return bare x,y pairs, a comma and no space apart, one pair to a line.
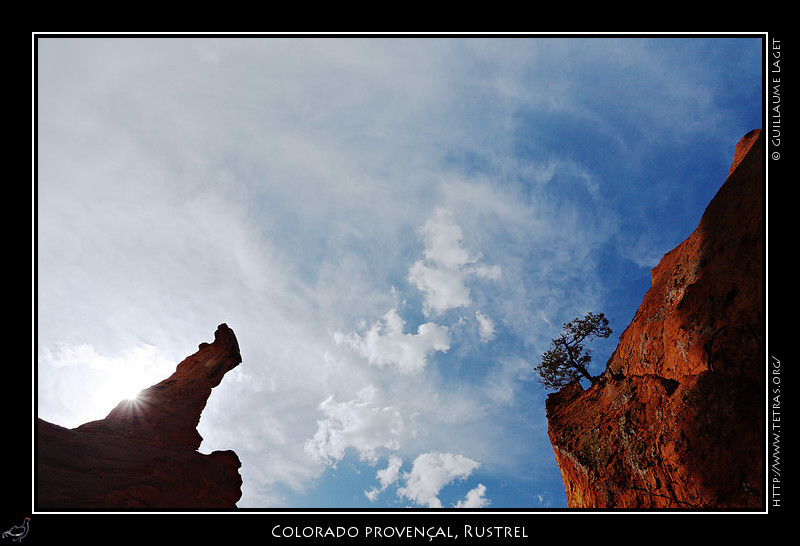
395,228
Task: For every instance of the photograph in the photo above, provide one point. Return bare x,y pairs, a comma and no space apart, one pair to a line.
409,287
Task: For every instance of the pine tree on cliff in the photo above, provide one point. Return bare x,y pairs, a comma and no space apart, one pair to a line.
567,360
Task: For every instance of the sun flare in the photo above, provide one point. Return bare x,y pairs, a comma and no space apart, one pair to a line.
129,376
114,379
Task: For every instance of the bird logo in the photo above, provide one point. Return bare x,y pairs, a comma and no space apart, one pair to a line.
18,532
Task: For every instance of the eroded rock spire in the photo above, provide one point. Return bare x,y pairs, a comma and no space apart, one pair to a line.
144,453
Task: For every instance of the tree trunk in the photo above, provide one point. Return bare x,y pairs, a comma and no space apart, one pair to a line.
586,374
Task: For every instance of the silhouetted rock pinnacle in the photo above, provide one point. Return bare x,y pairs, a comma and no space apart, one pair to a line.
144,453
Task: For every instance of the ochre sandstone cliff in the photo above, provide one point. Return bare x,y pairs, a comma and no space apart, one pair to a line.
144,453
677,418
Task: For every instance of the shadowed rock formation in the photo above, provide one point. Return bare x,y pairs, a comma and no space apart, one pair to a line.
677,418
144,453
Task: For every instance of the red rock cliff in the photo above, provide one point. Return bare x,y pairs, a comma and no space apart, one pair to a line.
144,453
677,418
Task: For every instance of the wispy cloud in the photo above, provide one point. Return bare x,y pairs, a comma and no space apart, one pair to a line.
485,327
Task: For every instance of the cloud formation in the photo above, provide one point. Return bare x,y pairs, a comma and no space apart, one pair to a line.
386,477
357,424
443,274
430,473
385,343
476,498
485,327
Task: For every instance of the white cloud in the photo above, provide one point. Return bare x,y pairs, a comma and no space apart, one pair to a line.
386,344
442,237
430,473
372,494
443,288
485,327
357,424
443,273
476,498
386,477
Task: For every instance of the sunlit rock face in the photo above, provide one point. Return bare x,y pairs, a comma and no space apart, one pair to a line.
144,453
677,418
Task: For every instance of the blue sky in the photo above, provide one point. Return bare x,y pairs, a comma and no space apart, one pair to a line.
394,227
